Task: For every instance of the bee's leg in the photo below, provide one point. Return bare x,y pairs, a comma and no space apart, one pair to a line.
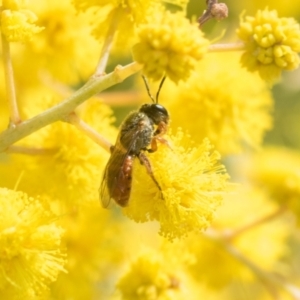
161,129
145,161
153,146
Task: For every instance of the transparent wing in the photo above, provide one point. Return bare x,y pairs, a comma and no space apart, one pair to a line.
104,193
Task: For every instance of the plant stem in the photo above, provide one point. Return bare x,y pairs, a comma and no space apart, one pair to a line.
10,83
60,111
235,233
31,151
108,43
89,131
226,47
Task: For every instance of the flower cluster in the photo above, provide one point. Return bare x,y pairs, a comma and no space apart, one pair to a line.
223,102
58,48
148,279
123,16
272,44
17,24
158,275
169,44
31,255
192,189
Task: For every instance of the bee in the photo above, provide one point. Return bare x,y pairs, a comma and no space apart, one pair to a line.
139,133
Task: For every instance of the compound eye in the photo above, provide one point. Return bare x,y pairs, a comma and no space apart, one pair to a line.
161,109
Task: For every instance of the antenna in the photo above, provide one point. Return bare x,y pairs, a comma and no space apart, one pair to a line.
159,88
148,89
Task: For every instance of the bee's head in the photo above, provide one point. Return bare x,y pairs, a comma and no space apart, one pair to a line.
156,112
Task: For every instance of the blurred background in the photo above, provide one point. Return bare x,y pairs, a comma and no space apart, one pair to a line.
286,93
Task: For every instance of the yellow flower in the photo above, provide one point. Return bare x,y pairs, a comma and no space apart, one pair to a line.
17,24
159,275
96,244
223,102
147,279
286,8
272,44
193,184
58,50
132,6
30,251
169,44
278,171
123,15
83,5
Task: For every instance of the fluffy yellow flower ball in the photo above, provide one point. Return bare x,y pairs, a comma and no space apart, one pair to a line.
160,274
223,102
169,44
31,255
272,44
193,184
17,23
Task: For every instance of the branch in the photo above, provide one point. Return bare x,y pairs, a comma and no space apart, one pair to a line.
226,47
89,131
108,43
261,221
31,151
10,83
60,111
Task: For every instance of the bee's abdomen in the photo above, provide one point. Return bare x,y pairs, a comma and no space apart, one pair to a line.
119,183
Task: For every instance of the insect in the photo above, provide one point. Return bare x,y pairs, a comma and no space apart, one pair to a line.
138,134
